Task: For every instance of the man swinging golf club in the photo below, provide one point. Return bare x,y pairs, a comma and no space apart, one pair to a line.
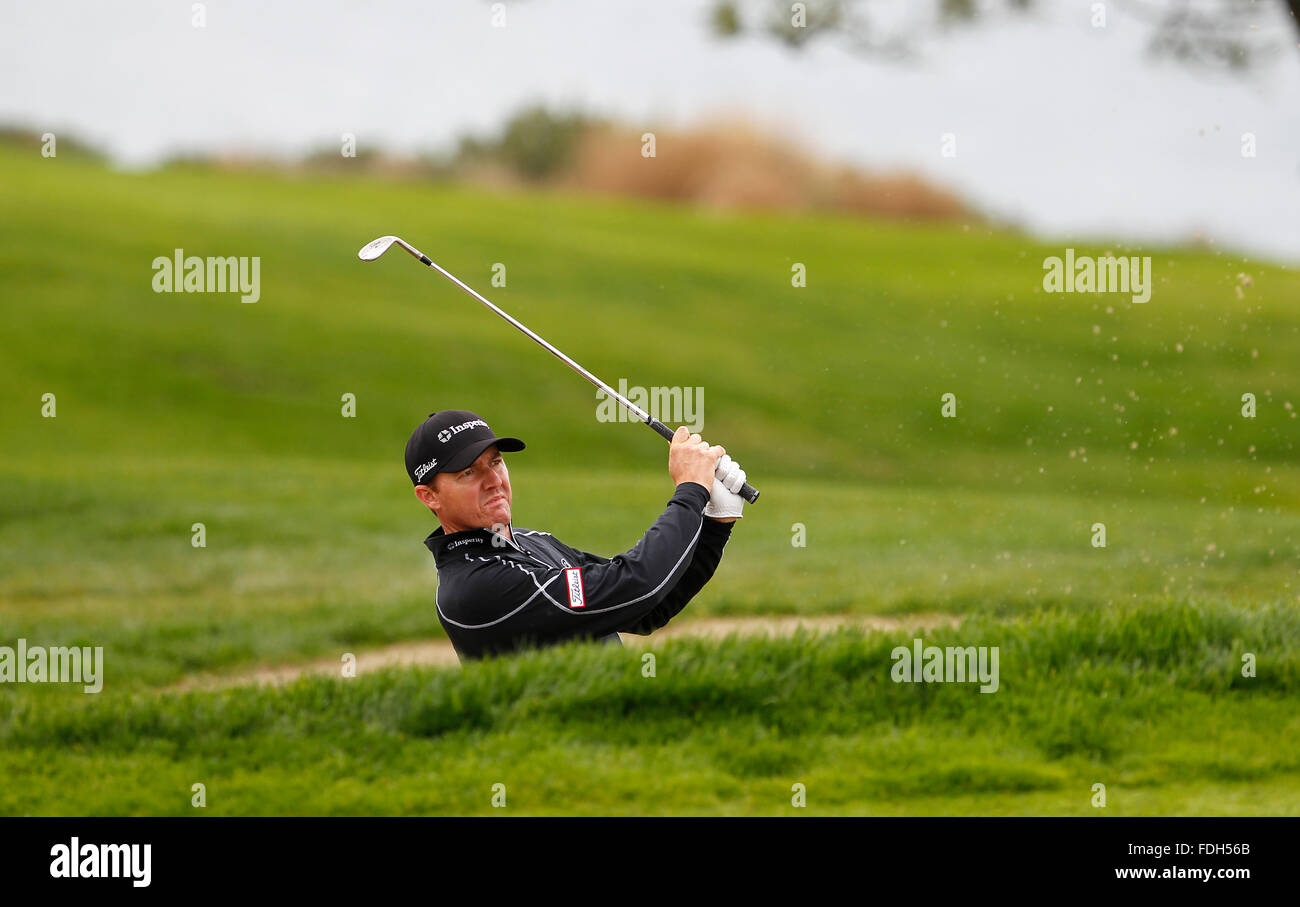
502,589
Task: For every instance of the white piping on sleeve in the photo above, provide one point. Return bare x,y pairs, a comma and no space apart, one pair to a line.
673,569
541,589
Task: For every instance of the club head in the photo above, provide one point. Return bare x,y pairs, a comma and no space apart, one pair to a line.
376,247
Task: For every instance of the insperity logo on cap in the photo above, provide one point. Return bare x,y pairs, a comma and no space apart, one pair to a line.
449,441
445,435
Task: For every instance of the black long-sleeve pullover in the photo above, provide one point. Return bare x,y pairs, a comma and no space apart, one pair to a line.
495,596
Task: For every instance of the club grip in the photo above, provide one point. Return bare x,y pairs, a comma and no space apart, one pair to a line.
747,491
661,428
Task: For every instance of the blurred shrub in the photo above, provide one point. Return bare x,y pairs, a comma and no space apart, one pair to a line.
735,165
730,164
535,144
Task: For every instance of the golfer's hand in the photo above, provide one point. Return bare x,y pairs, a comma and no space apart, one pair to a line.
692,459
725,505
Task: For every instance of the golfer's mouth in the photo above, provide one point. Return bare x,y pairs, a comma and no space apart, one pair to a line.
499,497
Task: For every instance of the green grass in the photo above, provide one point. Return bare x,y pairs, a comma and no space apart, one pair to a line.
290,573
1148,701
180,408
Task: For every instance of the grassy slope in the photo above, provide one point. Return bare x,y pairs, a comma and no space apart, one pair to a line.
182,408
1149,702
840,379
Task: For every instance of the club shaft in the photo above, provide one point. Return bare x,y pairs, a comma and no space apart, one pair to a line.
536,338
748,492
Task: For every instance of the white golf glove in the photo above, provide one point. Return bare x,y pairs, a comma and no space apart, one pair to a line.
727,480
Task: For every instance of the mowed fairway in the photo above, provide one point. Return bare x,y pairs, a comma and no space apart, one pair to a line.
1119,665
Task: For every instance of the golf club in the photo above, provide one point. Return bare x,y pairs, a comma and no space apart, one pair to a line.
375,248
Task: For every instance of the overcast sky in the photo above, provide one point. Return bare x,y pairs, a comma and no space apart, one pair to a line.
1067,129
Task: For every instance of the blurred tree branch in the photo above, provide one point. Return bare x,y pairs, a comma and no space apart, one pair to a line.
1213,33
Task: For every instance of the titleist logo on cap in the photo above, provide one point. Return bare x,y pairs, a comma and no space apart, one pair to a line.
424,467
445,435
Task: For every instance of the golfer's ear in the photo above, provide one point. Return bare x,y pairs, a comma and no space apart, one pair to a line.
427,496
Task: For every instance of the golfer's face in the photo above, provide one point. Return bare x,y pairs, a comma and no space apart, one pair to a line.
478,497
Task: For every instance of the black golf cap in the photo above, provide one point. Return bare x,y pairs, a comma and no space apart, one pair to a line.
450,441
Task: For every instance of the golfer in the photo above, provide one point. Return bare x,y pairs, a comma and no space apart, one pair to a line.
501,589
